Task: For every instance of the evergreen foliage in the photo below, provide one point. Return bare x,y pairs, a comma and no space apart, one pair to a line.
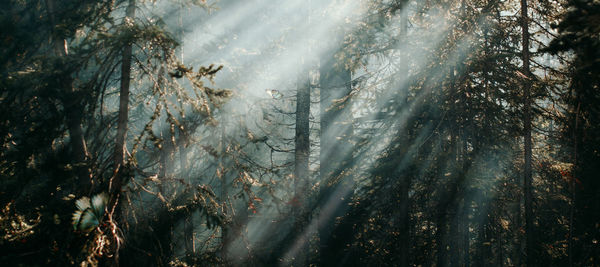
368,133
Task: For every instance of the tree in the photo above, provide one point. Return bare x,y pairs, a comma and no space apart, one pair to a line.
527,176
120,146
71,103
416,133
73,85
577,33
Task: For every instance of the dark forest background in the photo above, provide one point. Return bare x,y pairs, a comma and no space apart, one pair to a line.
300,133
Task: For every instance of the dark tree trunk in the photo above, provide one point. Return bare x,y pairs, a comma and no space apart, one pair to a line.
120,144
73,109
116,182
527,146
404,219
440,238
466,238
482,236
572,184
302,137
301,171
518,222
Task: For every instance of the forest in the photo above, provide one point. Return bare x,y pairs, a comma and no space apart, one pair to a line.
300,133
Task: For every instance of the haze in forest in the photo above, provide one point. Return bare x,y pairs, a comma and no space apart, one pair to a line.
299,133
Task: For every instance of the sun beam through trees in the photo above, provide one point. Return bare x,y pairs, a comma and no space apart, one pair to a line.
299,133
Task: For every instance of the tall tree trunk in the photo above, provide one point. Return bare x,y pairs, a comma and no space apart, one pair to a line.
441,221
455,246
449,202
466,238
572,184
454,207
406,178
116,182
227,231
482,234
466,205
518,221
301,157
527,169
301,171
404,220
120,144
499,250
440,238
73,109
188,223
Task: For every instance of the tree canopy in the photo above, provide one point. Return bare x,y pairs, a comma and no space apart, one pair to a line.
299,133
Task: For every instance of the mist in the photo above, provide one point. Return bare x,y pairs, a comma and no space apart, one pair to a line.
298,133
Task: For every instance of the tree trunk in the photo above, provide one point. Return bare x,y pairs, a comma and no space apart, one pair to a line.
482,236
527,169
499,250
188,223
404,220
116,182
301,171
454,212
517,239
466,238
572,185
440,238
73,109
466,205
227,231
120,144
406,179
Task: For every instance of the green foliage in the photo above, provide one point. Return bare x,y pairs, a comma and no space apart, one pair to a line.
89,213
